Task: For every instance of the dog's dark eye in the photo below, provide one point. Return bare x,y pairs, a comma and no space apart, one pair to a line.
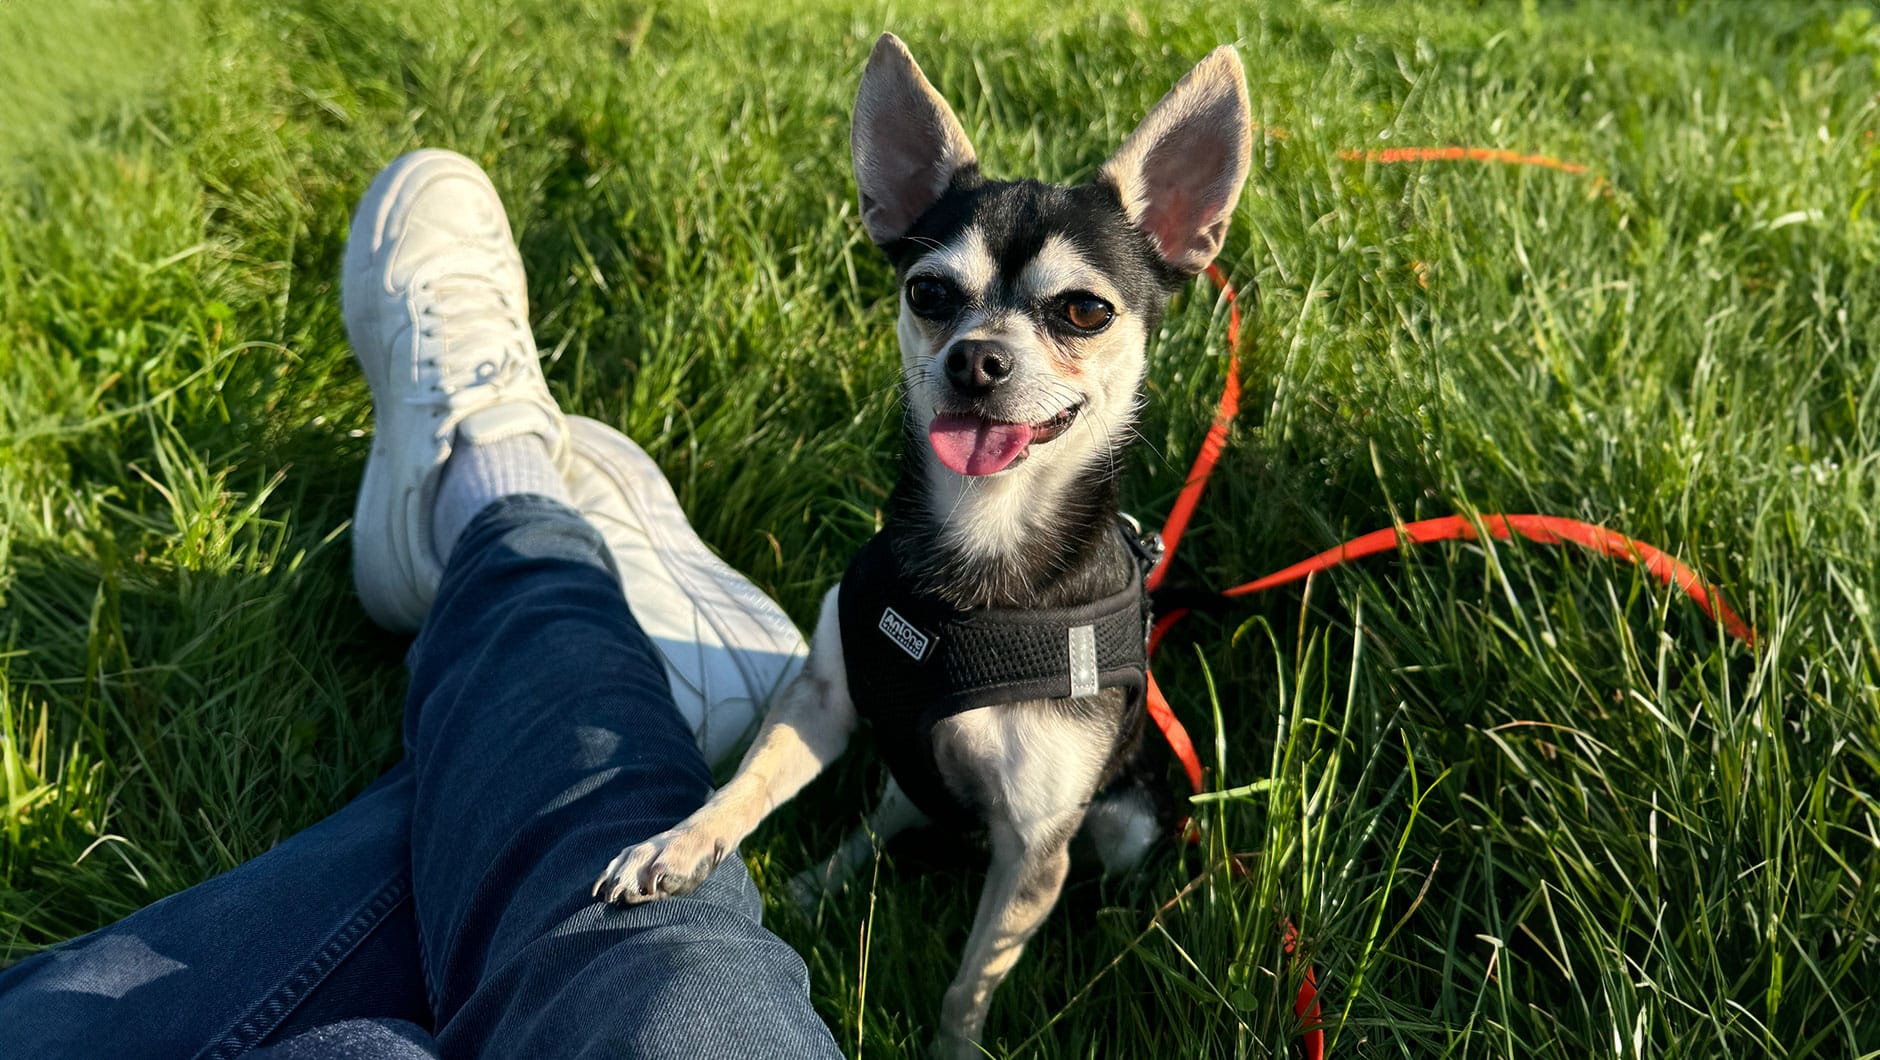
1087,312
929,297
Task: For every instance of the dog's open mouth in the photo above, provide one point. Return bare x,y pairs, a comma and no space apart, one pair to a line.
973,445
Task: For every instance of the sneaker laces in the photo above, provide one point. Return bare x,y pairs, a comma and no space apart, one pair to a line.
478,336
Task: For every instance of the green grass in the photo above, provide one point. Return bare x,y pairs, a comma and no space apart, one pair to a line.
1524,802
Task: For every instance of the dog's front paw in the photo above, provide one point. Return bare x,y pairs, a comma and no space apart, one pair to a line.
670,863
807,889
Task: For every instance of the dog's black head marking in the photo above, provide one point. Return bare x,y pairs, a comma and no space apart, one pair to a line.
1025,314
1017,217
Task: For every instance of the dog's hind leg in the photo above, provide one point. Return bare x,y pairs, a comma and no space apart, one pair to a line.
894,814
1123,825
807,728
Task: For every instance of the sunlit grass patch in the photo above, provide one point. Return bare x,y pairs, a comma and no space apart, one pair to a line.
1516,800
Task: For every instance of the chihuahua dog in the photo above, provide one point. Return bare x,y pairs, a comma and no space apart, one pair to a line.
993,631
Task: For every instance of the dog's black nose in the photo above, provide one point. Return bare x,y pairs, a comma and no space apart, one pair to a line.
975,366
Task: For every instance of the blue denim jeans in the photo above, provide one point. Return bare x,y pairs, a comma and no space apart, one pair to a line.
445,911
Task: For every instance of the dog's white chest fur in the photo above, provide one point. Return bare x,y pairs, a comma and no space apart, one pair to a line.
1034,765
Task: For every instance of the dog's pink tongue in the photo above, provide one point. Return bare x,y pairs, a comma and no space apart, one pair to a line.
972,446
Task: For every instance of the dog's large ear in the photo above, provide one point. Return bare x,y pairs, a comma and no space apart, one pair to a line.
1179,174
906,142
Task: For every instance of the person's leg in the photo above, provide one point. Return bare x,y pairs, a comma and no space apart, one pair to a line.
355,1038
545,738
317,930
541,722
313,948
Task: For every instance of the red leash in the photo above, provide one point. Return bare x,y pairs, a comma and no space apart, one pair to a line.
1389,155
1184,507
1543,529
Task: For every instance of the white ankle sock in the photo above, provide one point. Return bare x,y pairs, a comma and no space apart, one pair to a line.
478,473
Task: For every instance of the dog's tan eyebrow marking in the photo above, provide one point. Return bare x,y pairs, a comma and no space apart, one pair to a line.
966,261
1059,268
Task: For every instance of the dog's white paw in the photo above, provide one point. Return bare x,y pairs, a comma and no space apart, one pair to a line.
807,890
671,863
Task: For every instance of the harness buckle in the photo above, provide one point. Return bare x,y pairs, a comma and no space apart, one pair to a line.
1148,547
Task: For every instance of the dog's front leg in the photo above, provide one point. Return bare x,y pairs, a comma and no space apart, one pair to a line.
1022,885
807,728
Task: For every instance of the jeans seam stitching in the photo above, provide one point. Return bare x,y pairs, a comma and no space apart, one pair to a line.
271,1011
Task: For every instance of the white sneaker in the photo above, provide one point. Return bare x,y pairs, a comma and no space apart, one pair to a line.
727,646
437,309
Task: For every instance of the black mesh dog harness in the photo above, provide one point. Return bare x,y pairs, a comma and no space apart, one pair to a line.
913,659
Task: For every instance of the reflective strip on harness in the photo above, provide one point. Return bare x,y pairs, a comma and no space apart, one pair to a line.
1083,660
